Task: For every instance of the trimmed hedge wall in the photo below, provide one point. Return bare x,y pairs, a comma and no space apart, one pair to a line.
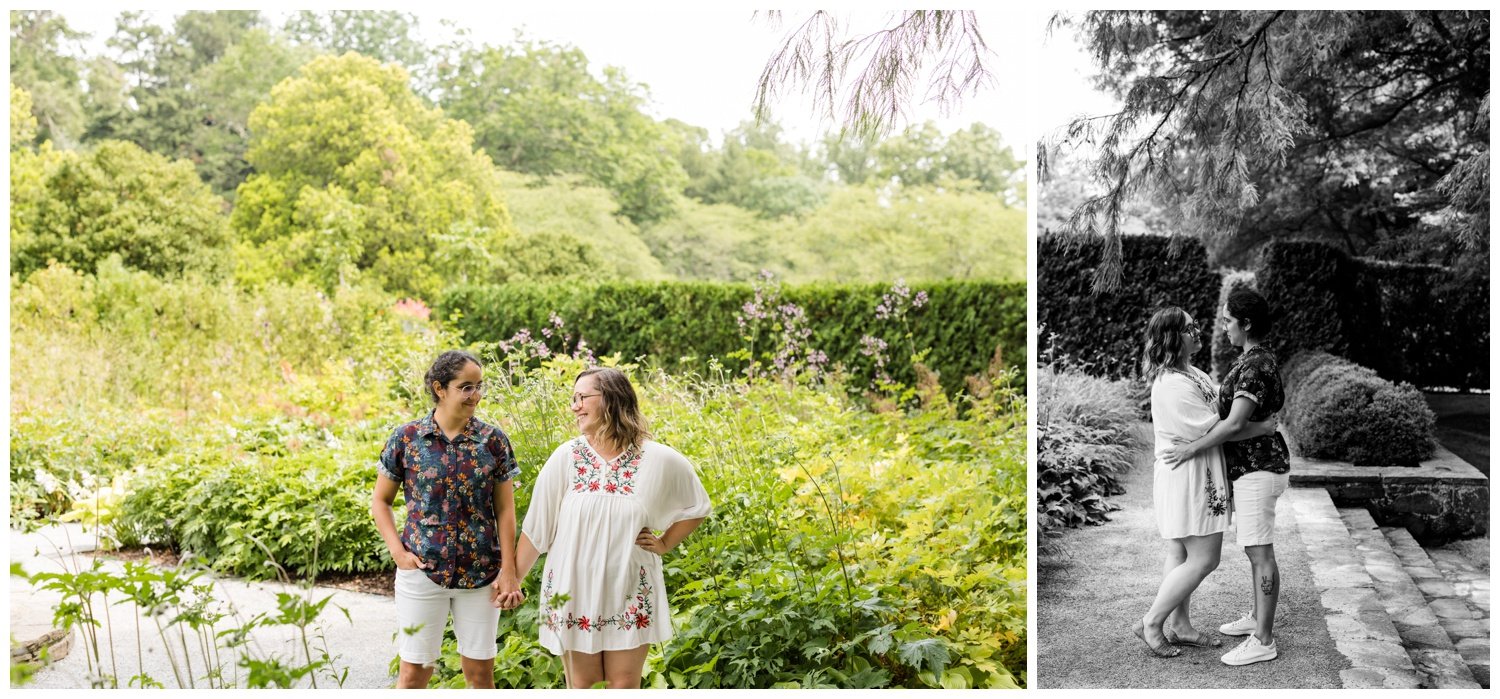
683,324
1224,353
1435,324
1336,409
1102,334
1422,324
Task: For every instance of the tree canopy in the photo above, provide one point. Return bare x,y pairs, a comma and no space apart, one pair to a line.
355,175
1251,125
537,109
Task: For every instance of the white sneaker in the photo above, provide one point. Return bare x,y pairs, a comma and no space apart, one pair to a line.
1243,626
1249,651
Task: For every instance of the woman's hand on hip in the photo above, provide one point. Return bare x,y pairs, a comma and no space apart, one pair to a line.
505,592
651,542
406,560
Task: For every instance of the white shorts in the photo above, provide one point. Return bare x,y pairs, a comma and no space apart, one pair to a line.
1255,496
420,602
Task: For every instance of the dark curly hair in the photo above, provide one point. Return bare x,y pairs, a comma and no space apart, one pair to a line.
446,367
1163,341
1251,310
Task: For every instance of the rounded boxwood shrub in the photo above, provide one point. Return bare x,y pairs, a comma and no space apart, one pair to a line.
1339,410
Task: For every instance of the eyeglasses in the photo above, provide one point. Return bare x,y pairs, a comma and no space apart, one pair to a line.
469,389
578,397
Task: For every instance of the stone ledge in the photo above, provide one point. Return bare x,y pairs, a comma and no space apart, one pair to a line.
1442,499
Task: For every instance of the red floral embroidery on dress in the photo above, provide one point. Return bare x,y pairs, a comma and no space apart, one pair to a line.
615,478
637,613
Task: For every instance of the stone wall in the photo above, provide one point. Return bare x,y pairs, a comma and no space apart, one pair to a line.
1442,499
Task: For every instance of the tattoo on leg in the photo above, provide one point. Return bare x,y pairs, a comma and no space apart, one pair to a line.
1265,585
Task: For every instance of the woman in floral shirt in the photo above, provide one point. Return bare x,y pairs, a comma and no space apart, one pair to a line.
456,549
595,511
1258,468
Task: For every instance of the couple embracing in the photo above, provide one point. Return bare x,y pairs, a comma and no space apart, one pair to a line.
1219,460
595,511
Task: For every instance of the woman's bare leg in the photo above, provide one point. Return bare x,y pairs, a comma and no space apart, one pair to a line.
584,670
1178,619
1178,584
1267,587
623,668
413,676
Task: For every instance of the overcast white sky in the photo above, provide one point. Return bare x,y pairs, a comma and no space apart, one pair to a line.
701,65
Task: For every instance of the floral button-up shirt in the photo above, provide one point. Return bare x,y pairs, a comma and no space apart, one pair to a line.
1256,375
450,497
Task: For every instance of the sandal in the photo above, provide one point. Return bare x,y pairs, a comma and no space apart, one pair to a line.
1161,651
1202,640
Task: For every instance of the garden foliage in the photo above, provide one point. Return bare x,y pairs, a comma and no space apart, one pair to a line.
687,323
1336,409
1087,439
847,548
1103,331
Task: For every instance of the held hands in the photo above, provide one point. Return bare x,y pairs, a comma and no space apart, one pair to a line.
651,542
505,592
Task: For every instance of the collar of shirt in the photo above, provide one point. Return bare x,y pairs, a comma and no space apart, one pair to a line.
429,426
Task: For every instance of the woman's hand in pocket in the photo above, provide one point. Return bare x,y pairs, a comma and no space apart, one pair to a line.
406,560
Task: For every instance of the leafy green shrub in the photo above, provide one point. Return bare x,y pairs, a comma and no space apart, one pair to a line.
684,324
1101,333
78,208
1336,409
1086,440
308,512
1225,353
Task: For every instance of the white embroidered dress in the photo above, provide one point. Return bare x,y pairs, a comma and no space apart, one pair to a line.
1192,499
585,514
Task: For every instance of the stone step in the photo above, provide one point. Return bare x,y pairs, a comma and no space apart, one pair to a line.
1452,589
1360,627
1440,665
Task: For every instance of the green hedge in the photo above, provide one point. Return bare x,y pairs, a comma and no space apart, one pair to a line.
683,324
1336,409
1435,324
1101,334
1320,300
1422,324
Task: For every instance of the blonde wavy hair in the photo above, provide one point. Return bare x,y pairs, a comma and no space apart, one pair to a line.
622,423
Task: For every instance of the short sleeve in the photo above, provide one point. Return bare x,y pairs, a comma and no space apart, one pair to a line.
540,525
1251,383
392,463
505,457
682,494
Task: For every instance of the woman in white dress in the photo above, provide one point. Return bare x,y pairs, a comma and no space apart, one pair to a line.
1190,497
596,507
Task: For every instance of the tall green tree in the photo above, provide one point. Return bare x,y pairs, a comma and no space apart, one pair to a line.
44,63
356,178
384,35
757,170
537,109
22,121
77,208
1259,124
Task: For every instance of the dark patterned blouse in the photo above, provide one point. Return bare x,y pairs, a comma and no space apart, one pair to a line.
450,497
1257,376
